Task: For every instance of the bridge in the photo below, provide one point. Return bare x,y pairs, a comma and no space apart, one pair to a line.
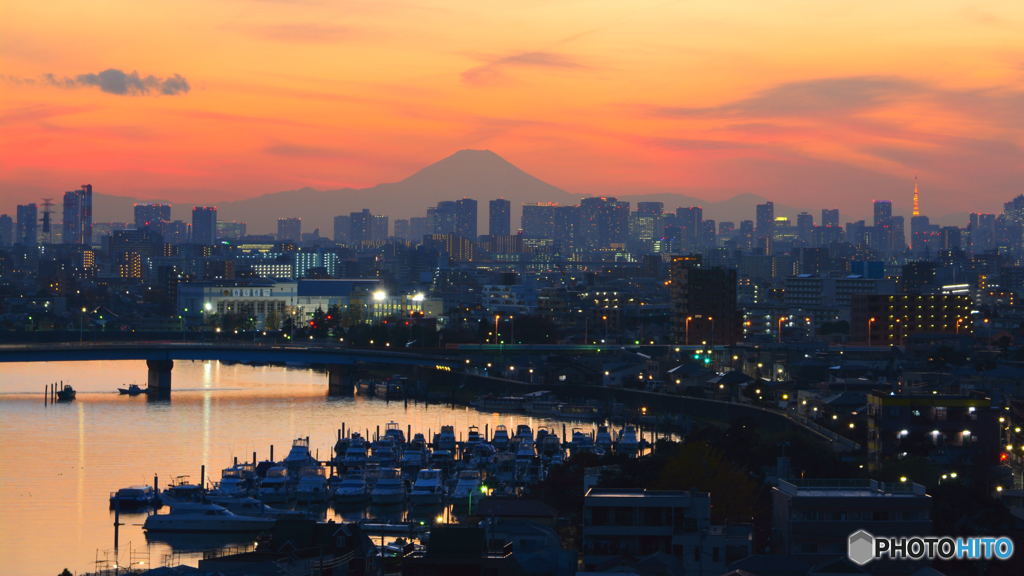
160,357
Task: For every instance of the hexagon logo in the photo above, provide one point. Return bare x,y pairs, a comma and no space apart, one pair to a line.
860,547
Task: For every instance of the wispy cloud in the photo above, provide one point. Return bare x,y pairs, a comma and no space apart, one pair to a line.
304,151
114,81
816,97
494,68
310,33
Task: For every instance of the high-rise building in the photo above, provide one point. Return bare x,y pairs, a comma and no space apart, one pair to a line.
27,223
690,221
402,229
648,220
765,217
603,222
882,213
78,216
342,228
6,231
445,217
805,227
379,229
204,225
500,217
538,220
151,215
703,303
225,231
419,226
289,229
466,218
830,217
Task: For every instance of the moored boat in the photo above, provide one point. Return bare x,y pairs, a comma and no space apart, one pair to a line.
205,517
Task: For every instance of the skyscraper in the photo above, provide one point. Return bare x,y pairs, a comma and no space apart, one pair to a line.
538,220
690,221
882,213
830,217
603,221
445,216
78,216
151,215
27,232
765,216
342,228
289,229
465,218
500,217
204,225
917,199
6,230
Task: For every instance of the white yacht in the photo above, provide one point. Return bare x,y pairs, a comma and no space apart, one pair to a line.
428,489
201,517
235,482
581,442
628,443
445,439
312,486
383,453
394,431
389,489
355,454
274,487
352,489
133,497
299,456
603,439
468,483
251,507
501,439
473,438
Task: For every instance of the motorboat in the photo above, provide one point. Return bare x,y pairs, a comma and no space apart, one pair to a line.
355,454
251,507
500,439
131,390
134,497
473,438
390,489
383,453
525,453
443,459
581,442
274,486
445,439
549,445
312,485
523,434
627,443
467,485
66,393
394,431
205,517
428,490
352,489
182,491
236,481
299,456
413,459
603,439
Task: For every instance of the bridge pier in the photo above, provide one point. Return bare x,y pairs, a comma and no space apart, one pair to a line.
341,380
159,380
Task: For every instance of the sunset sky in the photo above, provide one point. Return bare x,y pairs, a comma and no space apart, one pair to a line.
812,103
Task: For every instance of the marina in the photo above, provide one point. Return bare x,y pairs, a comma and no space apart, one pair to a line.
395,465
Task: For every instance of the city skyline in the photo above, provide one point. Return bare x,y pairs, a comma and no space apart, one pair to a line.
599,99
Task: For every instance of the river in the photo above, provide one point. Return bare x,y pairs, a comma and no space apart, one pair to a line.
58,463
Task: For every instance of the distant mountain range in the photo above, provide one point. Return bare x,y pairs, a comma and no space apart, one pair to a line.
478,174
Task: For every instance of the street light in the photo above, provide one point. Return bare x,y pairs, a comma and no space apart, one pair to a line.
497,317
687,341
81,326
779,328
870,322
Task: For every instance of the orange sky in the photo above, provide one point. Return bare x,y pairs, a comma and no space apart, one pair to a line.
811,103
